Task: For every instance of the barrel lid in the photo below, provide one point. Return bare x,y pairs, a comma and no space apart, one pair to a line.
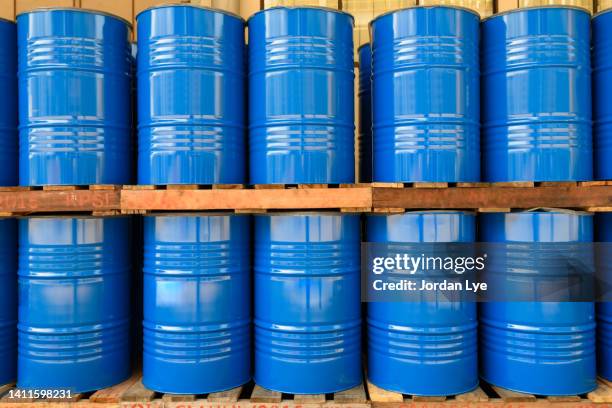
550,210
429,6
196,6
549,6
76,9
329,9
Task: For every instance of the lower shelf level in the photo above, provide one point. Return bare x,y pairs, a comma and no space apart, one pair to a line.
132,394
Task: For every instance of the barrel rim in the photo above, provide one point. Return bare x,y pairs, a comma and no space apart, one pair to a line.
77,9
426,212
364,44
547,6
69,216
195,6
430,6
305,213
599,13
167,214
323,8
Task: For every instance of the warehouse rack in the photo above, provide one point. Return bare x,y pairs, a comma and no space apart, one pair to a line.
132,394
594,196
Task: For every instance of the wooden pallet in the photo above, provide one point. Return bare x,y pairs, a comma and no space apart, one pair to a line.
387,198
488,395
133,394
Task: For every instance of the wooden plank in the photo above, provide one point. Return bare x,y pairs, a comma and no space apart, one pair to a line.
104,187
514,184
261,394
228,186
420,398
62,188
5,388
182,187
269,186
493,197
170,200
387,185
380,395
309,398
513,396
566,398
389,210
478,395
59,201
557,183
306,186
602,394
113,394
430,185
473,185
356,395
178,398
225,396
494,210
138,393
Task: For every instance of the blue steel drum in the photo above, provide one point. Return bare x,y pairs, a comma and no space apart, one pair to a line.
191,96
430,347
197,303
544,348
602,89
8,103
307,302
8,300
74,98
301,83
365,113
604,309
74,302
425,95
536,87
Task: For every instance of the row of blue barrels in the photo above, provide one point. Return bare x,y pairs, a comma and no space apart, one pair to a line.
73,280
526,108
75,70
75,115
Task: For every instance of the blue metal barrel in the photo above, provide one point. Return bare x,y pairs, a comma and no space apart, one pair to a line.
425,95
197,303
74,302
8,104
301,83
8,300
307,302
74,98
191,96
602,89
604,309
545,348
429,347
365,113
536,87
